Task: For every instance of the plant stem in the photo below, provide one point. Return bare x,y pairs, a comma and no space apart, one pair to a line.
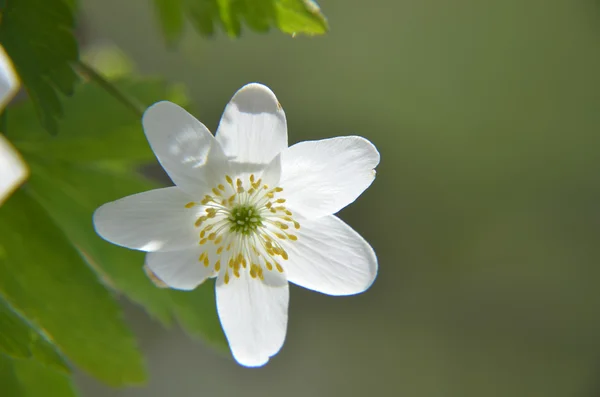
119,95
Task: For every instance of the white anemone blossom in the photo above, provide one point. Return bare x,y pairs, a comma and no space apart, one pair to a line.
13,170
250,211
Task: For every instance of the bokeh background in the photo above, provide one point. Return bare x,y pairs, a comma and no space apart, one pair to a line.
485,214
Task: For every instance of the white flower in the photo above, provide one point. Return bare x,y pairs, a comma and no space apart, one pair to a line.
250,211
13,170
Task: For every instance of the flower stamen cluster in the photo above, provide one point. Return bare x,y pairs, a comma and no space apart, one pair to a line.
244,222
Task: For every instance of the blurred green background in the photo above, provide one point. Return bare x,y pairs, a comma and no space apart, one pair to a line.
485,214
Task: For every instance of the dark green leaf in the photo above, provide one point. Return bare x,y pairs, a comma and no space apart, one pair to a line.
43,277
19,339
27,378
15,335
170,14
38,37
289,16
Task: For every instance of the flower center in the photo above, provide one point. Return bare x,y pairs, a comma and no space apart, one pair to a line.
242,225
244,219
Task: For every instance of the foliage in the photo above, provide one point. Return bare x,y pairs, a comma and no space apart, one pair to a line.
38,37
289,16
59,282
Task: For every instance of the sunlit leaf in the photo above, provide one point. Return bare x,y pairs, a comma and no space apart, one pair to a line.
289,16
96,127
70,195
43,277
28,378
87,167
38,37
20,340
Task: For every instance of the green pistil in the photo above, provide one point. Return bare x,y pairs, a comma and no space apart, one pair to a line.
244,219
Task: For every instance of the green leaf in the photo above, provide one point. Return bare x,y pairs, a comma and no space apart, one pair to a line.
289,16
27,378
15,335
86,166
38,37
300,16
71,195
19,339
170,15
96,128
43,277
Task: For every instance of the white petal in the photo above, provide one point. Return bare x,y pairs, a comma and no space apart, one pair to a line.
253,316
322,177
9,83
13,170
253,128
272,172
181,269
184,147
156,220
330,257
